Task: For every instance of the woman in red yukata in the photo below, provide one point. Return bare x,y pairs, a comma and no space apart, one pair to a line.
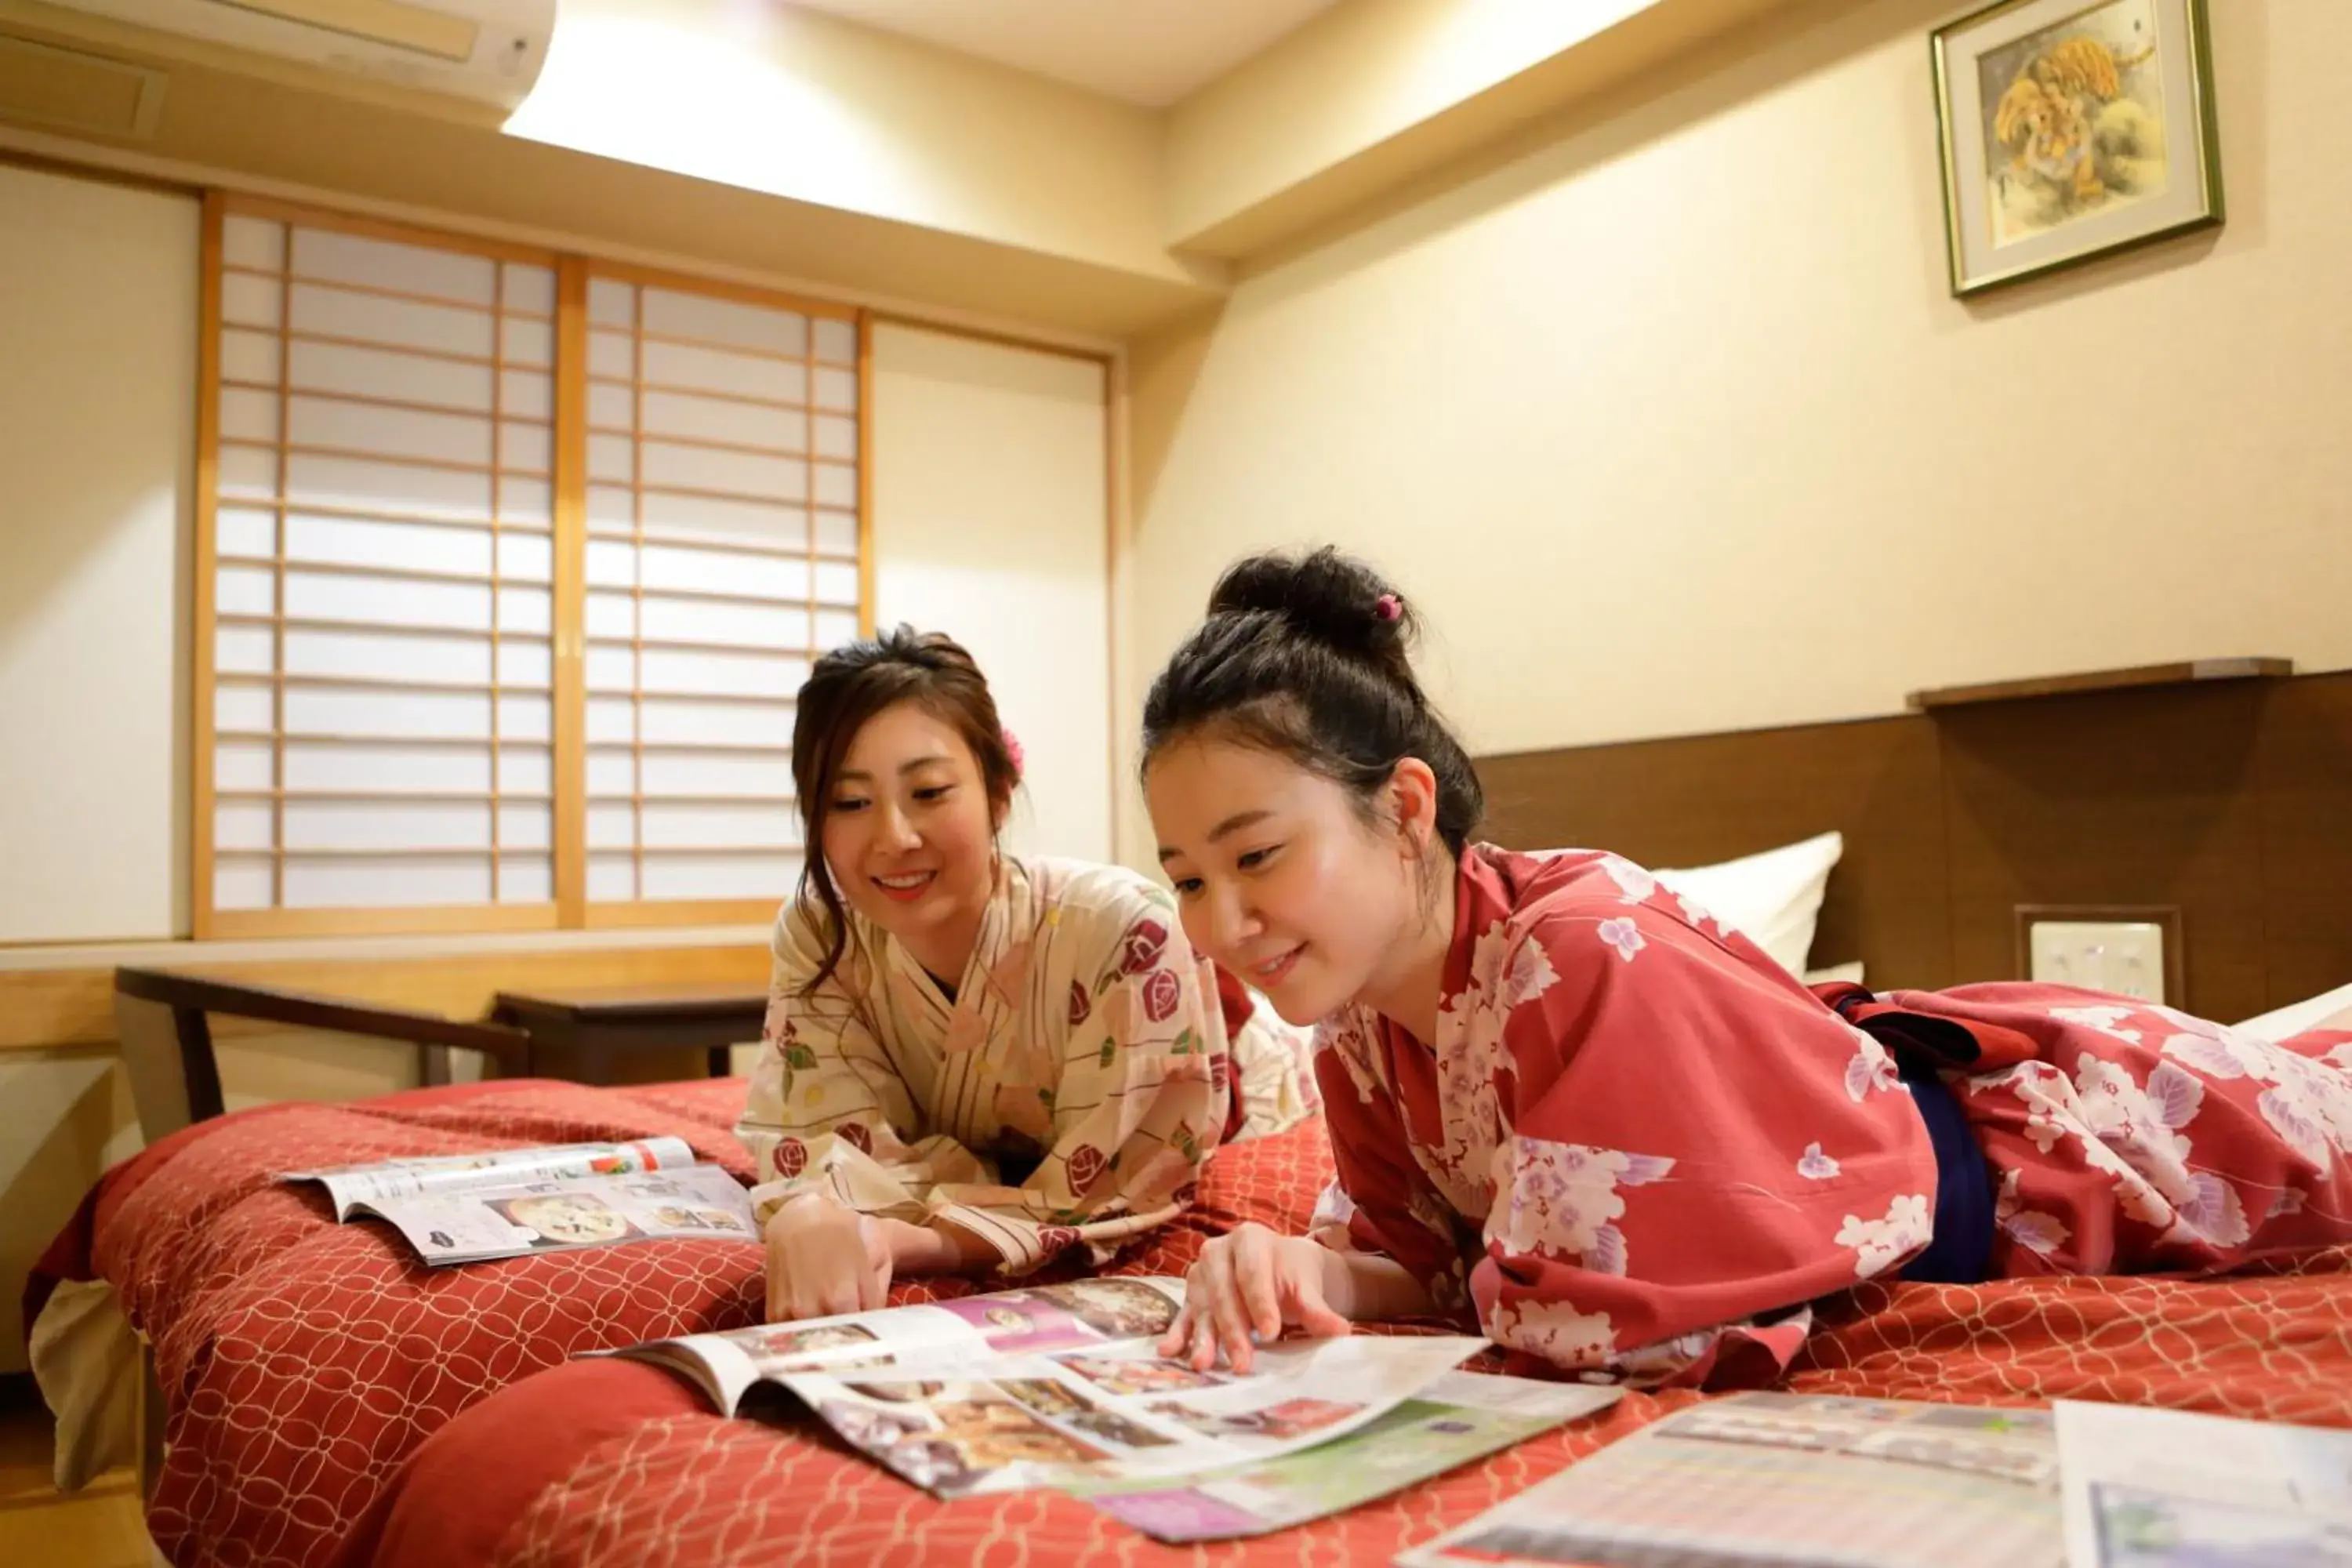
1568,1101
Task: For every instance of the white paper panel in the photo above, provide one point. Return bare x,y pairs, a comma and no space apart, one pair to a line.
724,419
686,826
711,469
528,341
390,769
335,257
412,546
247,415
611,773
612,356
834,627
836,390
612,303
690,674
525,610
526,557
526,395
530,503
243,765
611,407
525,717
524,661
611,565
781,578
737,626
392,883
240,883
612,721
611,615
738,875
610,509
525,770
678,722
253,242
251,650
612,878
422,715
837,532
835,485
250,302
611,460
836,584
612,825
245,591
384,373
386,825
243,530
526,824
249,356
359,485
242,710
836,340
718,520
689,368
250,471
526,880
396,323
609,668
316,421
529,288
438,661
242,825
526,447
458,606
704,772
836,437
771,330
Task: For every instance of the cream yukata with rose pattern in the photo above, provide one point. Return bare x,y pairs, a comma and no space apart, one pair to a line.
1638,1142
1066,1093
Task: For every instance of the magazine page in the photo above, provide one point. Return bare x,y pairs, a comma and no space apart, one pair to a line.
2150,1487
351,1185
1461,1418
1080,1314
1795,1480
1006,1423
470,1224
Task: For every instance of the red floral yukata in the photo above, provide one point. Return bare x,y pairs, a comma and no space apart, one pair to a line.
1639,1141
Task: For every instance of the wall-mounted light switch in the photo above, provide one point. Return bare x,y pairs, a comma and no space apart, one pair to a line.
2126,957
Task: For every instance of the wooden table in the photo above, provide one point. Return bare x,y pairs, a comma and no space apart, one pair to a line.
589,1036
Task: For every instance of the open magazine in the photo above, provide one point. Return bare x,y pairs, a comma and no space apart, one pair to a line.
505,1203
1791,1481
2151,1488
1054,1385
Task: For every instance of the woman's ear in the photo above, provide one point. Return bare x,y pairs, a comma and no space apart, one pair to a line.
1412,795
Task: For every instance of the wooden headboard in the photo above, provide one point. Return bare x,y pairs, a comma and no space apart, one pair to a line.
2231,801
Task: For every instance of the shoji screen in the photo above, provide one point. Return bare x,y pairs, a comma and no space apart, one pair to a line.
724,485
382,672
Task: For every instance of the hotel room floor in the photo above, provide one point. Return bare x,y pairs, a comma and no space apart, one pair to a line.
97,1528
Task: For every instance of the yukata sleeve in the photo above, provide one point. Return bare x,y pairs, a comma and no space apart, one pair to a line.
1698,1149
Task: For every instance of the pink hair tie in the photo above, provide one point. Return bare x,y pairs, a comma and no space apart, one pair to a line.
1013,749
1387,607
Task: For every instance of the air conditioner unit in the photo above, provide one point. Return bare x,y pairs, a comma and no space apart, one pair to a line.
488,51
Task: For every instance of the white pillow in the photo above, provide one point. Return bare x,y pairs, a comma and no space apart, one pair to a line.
1836,974
2287,1023
1774,898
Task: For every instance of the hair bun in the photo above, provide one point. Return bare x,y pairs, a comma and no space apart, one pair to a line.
1324,595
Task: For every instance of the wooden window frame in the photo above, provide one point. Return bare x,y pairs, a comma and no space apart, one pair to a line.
569,908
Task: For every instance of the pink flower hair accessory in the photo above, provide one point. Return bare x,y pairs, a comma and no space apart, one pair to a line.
1387,607
1012,750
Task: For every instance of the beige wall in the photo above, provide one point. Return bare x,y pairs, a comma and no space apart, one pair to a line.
988,524
1665,419
97,314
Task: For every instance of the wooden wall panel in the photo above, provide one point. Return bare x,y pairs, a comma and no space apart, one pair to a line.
2305,763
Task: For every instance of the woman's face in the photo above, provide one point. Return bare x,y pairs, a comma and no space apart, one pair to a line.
909,832
1277,875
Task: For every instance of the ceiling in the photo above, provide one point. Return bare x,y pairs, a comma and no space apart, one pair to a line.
1147,52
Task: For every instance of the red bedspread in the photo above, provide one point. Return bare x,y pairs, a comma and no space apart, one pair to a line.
303,1362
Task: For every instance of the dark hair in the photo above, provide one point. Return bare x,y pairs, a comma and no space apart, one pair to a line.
848,687
1305,657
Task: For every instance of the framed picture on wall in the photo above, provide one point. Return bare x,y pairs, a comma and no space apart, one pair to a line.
2072,128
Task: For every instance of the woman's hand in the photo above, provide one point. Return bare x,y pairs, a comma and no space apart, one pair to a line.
1247,1288
823,1260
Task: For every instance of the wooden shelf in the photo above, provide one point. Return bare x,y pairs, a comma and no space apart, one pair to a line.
2100,680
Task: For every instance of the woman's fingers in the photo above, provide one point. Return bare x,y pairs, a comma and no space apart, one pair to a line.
1180,1333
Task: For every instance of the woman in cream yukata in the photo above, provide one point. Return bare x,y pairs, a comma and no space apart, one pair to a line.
974,1061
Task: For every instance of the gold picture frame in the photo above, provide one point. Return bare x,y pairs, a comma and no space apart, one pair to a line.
2072,129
